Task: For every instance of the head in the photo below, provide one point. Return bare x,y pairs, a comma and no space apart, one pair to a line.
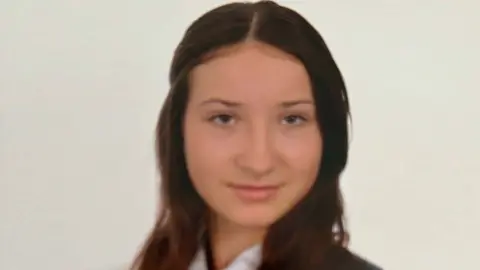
253,133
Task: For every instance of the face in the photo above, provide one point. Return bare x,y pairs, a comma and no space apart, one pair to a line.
252,143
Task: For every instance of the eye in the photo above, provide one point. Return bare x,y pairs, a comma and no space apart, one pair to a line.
293,120
222,119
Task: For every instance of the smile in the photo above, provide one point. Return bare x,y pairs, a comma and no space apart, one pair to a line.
254,193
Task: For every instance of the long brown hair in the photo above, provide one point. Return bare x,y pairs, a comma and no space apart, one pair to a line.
305,236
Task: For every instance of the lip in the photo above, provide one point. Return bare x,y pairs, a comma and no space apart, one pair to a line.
253,187
254,193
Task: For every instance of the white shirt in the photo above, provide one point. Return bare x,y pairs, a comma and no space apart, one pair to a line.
250,259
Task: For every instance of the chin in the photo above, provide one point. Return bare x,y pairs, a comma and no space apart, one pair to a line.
255,219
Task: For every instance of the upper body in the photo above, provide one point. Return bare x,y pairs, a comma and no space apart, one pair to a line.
250,260
251,142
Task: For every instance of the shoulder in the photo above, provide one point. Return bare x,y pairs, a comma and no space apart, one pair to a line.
346,260
358,263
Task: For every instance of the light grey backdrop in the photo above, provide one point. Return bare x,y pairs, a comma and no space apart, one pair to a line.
81,83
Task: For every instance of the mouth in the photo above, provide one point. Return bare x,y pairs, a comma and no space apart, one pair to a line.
254,193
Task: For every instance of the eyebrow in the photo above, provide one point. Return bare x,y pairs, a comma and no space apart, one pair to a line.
224,102
229,103
291,103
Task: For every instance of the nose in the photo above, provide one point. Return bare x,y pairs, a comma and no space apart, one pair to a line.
258,153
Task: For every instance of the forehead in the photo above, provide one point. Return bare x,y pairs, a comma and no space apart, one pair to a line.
250,71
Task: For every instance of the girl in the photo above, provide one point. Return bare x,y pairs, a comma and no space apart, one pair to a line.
251,142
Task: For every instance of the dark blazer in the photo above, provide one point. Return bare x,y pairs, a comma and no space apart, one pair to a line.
346,260
357,263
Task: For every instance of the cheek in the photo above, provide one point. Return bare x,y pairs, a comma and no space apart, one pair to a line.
303,158
205,158
303,154
205,150
303,178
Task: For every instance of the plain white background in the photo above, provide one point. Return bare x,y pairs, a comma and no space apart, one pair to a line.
81,84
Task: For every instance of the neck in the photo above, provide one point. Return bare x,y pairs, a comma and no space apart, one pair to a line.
229,240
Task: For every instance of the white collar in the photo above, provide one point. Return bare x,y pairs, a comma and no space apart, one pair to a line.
248,260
